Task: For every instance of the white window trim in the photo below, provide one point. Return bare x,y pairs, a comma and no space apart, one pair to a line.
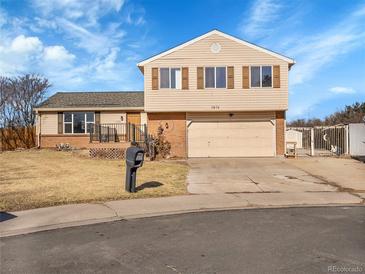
260,66
169,68
215,77
72,122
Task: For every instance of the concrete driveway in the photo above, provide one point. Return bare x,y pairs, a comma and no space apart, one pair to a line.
240,175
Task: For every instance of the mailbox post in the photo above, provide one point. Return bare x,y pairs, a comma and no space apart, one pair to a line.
134,158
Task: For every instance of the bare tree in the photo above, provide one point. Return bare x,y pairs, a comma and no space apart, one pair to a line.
18,97
354,113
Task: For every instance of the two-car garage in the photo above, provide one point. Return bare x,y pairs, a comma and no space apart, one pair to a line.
231,134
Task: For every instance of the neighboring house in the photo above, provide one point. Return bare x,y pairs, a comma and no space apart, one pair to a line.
214,96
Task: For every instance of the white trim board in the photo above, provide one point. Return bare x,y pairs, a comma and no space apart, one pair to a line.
277,55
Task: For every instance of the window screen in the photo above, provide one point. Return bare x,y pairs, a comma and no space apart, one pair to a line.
220,77
266,76
255,76
164,78
209,77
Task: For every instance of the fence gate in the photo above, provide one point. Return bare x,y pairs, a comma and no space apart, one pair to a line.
319,141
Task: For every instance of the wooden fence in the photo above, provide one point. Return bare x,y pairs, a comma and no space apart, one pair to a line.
13,138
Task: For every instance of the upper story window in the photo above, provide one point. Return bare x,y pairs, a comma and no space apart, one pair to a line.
261,76
215,77
170,78
78,122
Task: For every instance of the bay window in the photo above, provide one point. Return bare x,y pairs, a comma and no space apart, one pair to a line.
170,78
215,77
78,122
261,76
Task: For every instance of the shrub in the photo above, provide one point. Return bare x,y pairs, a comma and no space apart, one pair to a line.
162,146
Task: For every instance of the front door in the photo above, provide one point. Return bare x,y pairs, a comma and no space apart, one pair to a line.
134,118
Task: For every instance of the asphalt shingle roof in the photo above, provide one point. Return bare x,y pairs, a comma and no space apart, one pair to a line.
94,99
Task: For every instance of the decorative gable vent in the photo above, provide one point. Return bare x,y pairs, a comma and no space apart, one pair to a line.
215,47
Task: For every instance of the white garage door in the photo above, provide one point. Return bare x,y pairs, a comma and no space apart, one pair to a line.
231,139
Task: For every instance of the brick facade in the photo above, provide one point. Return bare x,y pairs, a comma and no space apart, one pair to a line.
50,141
174,125
77,141
280,132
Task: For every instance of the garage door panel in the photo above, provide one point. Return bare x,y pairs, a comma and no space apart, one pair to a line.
230,139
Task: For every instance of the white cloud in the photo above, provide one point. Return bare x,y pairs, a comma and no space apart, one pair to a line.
57,54
89,11
314,52
262,13
92,41
24,45
18,54
342,90
89,54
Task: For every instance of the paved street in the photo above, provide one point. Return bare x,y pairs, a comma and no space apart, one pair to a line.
293,240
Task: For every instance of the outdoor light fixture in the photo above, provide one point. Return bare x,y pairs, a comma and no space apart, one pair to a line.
167,125
121,118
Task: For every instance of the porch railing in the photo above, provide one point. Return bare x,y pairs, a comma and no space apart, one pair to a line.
118,132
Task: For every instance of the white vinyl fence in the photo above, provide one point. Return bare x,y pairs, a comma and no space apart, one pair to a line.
357,139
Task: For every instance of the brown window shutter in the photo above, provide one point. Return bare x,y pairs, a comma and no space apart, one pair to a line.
154,78
200,78
97,117
60,122
185,78
230,73
245,77
276,73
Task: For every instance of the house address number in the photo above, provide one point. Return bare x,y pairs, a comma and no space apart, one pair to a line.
215,107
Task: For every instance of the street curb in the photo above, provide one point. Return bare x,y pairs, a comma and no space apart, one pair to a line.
25,231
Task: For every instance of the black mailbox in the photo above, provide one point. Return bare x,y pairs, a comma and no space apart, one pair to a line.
134,157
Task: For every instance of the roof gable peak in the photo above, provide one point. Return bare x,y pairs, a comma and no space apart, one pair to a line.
218,32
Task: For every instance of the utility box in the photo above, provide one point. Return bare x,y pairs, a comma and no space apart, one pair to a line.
134,158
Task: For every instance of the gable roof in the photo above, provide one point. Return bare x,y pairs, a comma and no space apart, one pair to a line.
243,42
116,99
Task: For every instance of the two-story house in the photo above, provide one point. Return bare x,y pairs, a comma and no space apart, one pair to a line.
214,96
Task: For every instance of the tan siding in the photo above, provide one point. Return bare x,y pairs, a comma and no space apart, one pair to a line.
112,117
49,123
231,54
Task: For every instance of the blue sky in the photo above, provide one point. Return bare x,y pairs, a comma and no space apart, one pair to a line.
95,45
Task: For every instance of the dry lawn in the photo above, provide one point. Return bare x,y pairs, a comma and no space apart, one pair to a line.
40,178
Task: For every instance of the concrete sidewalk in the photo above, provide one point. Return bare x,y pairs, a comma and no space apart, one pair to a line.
28,221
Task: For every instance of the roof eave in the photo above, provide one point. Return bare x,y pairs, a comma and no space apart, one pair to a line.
52,109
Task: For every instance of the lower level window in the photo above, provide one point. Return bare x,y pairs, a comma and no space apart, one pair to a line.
78,122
